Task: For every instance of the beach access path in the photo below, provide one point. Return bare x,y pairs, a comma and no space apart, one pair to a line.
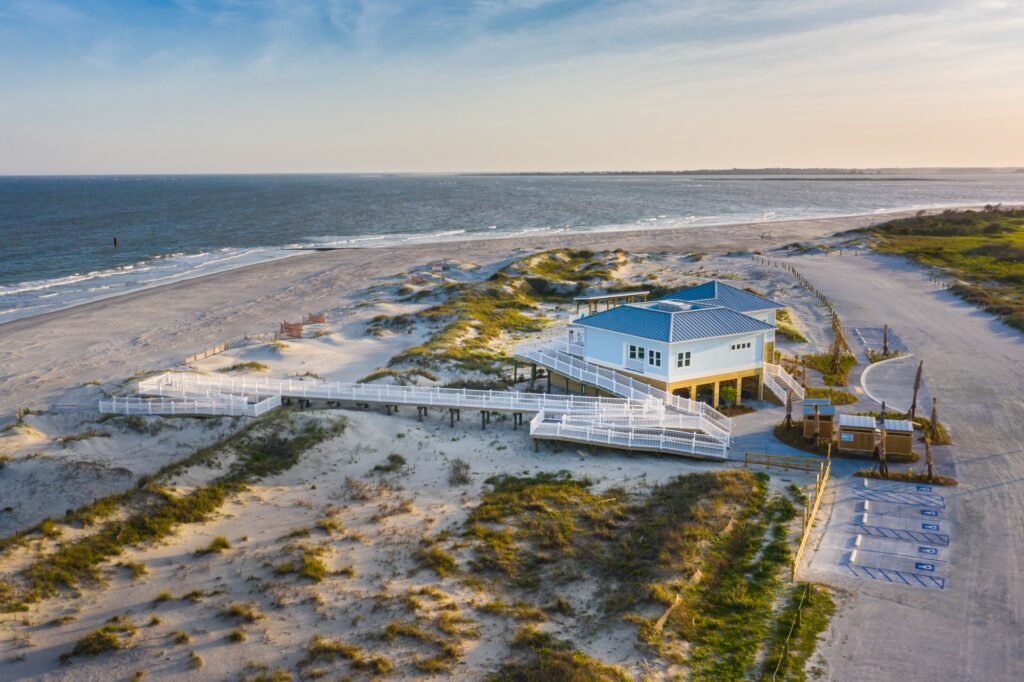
44,358
973,629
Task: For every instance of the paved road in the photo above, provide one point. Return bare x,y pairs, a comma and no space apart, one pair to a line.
974,628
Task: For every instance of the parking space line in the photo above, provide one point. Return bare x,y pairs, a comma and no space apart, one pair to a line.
906,535
921,499
898,577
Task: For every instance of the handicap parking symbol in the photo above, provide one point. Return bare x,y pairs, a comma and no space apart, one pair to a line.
930,526
929,512
921,566
924,488
927,550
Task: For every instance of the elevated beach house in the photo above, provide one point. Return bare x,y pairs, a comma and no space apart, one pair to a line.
690,343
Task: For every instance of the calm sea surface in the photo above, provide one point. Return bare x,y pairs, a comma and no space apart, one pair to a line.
57,233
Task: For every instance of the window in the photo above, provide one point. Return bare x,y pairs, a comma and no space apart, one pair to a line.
740,346
637,353
683,359
654,358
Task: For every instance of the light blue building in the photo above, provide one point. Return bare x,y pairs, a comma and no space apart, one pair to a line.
690,343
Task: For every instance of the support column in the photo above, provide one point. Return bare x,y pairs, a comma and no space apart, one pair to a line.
760,385
515,370
739,391
483,421
549,380
451,416
714,399
533,375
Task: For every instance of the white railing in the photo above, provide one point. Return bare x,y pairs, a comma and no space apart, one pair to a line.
178,384
233,406
641,423
568,427
553,354
778,380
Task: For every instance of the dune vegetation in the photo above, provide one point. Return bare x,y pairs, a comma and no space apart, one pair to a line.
983,249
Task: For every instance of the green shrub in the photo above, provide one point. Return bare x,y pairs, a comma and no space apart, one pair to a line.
217,545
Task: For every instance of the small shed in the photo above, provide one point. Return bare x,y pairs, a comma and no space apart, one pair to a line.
857,434
826,414
899,437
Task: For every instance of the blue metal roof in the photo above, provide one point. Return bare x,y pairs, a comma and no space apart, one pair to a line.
673,322
717,293
857,421
898,425
823,410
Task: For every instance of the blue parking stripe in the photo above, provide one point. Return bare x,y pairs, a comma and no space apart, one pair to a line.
907,578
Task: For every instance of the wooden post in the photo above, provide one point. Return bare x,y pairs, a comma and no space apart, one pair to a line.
483,420
451,416
533,375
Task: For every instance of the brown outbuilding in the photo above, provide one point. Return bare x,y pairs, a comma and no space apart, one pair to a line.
826,415
899,437
857,434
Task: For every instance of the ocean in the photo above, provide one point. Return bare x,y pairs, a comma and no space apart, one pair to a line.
57,233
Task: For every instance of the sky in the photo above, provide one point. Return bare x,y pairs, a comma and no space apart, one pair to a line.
233,86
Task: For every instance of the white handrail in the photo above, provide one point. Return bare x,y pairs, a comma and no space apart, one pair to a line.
570,428
554,354
632,423
778,380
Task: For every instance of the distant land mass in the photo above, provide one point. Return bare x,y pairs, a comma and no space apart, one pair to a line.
778,171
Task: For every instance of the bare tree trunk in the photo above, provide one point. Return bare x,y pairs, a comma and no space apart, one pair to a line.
789,408
917,387
935,420
885,341
817,425
883,468
928,461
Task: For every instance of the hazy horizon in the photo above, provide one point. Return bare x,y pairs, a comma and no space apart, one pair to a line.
485,86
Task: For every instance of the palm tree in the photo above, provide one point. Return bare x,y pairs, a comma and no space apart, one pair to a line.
935,420
885,341
917,387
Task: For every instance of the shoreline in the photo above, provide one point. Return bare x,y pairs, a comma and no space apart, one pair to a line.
275,253
47,356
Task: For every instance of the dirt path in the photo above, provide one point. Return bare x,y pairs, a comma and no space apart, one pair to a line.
974,365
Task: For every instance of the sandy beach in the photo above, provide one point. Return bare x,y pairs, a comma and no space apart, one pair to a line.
367,501
42,358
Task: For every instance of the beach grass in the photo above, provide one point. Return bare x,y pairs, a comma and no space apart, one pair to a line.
983,249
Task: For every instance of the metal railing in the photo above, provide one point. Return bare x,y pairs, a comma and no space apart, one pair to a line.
634,424
554,354
574,428
178,384
232,406
778,380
